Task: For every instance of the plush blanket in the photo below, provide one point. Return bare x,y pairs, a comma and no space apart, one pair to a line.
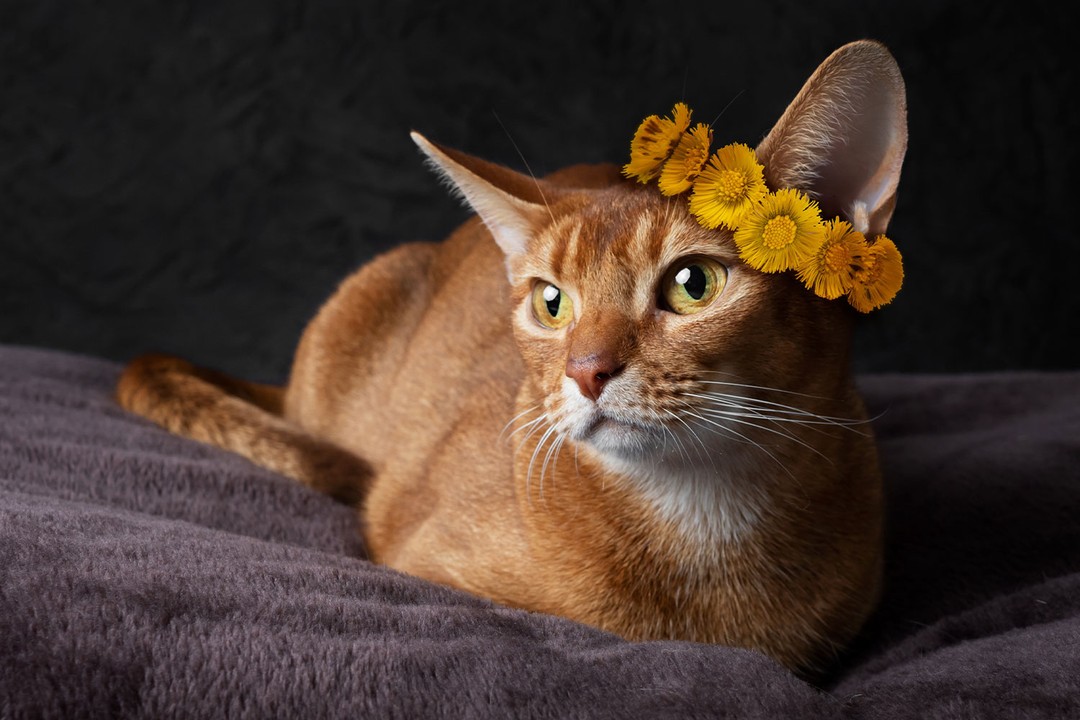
143,575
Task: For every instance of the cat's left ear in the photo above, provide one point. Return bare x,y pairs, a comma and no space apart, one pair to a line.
513,206
843,138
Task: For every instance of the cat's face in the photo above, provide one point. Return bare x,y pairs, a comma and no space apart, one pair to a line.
643,334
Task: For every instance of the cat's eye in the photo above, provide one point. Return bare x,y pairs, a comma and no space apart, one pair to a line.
692,284
551,306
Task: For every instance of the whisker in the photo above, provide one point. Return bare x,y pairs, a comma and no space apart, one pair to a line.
850,421
675,439
559,438
757,387
536,425
782,433
539,189
772,410
558,449
741,418
749,412
532,460
730,102
515,418
741,402
735,416
756,444
700,442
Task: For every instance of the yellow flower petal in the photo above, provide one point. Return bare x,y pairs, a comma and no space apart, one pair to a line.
730,185
654,142
780,232
830,270
687,160
880,278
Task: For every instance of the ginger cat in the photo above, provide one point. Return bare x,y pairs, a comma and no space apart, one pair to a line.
583,403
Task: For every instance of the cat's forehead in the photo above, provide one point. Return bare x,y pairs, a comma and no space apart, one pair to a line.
623,233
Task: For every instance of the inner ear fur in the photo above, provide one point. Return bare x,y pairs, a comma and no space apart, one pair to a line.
842,139
513,206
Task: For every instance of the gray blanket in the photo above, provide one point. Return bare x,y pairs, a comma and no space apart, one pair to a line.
143,575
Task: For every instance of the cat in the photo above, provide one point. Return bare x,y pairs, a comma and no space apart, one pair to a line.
522,413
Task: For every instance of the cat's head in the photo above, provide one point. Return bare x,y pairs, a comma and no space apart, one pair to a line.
644,335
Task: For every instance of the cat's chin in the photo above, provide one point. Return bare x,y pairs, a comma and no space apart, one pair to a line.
627,441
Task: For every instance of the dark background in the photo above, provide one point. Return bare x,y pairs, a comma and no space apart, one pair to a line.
196,177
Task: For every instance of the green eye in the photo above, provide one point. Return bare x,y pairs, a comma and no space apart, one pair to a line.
551,307
692,284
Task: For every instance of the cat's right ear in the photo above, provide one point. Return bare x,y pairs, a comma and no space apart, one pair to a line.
843,138
513,206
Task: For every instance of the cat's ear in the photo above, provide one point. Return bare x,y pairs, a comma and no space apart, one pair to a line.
842,139
513,206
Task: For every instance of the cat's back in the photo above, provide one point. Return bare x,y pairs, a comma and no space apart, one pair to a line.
399,336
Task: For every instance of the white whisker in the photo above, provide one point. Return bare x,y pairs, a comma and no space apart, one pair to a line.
735,417
774,410
675,438
744,399
559,438
738,412
536,425
532,460
521,414
738,434
697,438
757,387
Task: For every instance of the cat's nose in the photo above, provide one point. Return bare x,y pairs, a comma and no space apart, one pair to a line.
591,373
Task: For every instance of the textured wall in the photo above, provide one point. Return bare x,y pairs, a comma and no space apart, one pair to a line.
195,177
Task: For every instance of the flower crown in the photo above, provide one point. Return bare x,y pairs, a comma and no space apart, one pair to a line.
774,231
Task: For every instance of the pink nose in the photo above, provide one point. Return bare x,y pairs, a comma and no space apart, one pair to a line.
592,373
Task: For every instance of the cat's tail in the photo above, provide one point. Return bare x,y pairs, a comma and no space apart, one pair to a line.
243,417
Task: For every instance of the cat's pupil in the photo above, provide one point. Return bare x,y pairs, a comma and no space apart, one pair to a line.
552,296
693,280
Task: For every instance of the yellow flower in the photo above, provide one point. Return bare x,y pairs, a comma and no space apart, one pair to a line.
829,271
654,142
880,277
731,184
687,160
780,232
